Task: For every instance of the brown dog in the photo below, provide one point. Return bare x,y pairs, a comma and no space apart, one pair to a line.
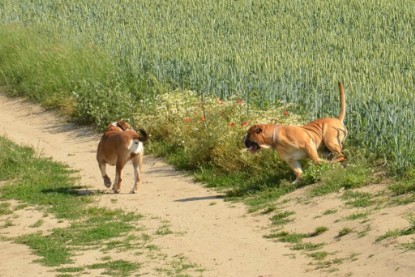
120,144
294,143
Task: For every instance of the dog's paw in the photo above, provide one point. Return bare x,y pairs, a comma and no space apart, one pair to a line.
107,182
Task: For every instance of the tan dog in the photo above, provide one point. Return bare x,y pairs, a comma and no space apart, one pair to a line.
294,143
120,144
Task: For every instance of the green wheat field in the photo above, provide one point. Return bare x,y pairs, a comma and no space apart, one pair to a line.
270,53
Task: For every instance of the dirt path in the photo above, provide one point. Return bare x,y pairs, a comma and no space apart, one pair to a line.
218,236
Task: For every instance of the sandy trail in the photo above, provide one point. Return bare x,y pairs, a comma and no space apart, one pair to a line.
218,236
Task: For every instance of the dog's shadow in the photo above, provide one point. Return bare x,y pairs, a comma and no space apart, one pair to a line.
190,199
72,191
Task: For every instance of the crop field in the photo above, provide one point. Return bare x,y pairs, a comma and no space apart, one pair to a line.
268,52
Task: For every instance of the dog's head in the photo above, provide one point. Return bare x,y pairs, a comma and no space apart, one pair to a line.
257,138
118,126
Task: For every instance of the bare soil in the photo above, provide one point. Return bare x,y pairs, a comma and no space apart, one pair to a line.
220,237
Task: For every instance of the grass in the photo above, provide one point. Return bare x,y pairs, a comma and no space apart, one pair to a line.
296,239
5,209
409,246
356,216
344,231
330,211
319,256
164,229
281,218
117,267
358,199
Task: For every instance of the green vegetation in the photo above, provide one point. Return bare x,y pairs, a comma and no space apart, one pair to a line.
344,231
196,81
356,216
330,211
5,209
358,199
319,256
296,239
281,218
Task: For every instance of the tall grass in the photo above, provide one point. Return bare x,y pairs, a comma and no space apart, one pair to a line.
263,51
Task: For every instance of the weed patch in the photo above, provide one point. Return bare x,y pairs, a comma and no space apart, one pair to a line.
356,216
5,208
281,218
344,231
117,267
357,199
296,239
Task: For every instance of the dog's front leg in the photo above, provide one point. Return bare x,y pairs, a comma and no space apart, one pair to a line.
296,167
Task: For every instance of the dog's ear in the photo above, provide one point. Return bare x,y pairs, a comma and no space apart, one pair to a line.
123,125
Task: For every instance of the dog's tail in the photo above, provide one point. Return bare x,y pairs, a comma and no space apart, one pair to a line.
141,135
342,113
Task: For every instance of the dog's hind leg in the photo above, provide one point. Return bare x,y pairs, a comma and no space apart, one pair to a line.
107,180
137,165
116,187
336,149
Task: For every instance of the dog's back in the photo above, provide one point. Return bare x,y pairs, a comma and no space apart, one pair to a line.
117,144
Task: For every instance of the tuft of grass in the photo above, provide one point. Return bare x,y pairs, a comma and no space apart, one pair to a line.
290,237
357,199
296,239
37,224
307,246
70,269
330,211
5,209
409,246
318,231
164,229
319,256
281,218
356,216
117,267
364,231
344,231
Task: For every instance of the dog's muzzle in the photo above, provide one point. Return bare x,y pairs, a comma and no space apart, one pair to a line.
251,146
